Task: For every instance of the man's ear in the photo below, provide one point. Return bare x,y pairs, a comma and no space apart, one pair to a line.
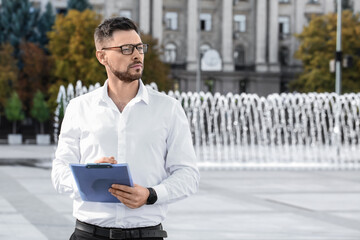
101,57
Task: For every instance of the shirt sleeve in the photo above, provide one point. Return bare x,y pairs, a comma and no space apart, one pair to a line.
180,161
68,151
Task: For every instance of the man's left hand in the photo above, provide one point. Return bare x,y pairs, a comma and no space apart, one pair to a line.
132,197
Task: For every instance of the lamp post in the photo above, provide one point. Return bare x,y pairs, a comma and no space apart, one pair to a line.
198,61
338,49
338,59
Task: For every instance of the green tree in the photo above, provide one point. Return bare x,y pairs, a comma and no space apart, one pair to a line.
71,44
44,25
8,73
72,48
35,74
18,23
154,69
40,110
13,110
317,48
80,5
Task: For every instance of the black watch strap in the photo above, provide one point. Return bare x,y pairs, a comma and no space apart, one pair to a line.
152,197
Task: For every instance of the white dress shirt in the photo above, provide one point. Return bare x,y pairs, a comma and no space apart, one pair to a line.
151,134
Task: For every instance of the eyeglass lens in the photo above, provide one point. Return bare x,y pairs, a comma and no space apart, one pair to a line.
129,49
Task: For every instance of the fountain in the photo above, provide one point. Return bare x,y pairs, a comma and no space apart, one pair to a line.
314,130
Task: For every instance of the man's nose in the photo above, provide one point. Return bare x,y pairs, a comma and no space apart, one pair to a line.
136,54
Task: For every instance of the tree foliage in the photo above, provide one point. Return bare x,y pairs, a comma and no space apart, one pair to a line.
18,22
36,73
13,110
8,72
154,69
40,110
80,5
317,48
71,44
44,25
72,48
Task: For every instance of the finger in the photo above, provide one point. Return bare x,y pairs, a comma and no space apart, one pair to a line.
123,188
118,193
106,160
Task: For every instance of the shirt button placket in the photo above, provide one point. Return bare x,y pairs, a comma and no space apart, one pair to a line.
121,140
120,208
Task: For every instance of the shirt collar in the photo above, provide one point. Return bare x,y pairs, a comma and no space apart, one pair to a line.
142,93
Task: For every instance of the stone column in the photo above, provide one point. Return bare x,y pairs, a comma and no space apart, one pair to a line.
261,25
274,36
298,14
192,35
356,6
227,38
157,16
144,16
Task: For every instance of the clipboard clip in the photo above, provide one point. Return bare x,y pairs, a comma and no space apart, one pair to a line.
98,165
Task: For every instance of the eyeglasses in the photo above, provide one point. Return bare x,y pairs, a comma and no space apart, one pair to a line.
128,49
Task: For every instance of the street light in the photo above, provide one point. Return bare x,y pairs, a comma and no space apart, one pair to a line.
338,57
198,61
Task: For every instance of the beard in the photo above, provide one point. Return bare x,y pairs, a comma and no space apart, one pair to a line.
127,76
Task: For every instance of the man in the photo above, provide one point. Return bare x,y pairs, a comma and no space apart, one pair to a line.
124,122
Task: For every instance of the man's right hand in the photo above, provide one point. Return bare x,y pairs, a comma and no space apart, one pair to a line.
106,160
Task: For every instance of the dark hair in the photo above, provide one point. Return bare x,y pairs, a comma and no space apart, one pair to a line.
108,26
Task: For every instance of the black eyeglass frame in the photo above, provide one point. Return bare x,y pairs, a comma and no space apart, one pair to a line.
133,46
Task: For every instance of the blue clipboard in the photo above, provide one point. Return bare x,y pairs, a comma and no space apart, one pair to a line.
94,180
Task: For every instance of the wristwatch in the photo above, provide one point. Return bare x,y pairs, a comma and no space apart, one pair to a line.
152,197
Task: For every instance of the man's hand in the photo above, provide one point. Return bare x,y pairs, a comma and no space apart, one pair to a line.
106,160
132,197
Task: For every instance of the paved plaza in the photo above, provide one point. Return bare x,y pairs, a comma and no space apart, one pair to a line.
231,204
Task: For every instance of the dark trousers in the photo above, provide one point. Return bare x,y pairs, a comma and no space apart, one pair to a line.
80,235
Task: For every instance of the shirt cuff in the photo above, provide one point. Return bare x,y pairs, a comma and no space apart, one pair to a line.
162,193
75,194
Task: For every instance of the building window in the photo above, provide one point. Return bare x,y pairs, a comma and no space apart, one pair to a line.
313,1
61,11
284,26
239,56
284,1
125,13
284,56
171,20
239,23
170,53
205,22
235,2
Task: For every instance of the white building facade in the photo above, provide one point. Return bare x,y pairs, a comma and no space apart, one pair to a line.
254,39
